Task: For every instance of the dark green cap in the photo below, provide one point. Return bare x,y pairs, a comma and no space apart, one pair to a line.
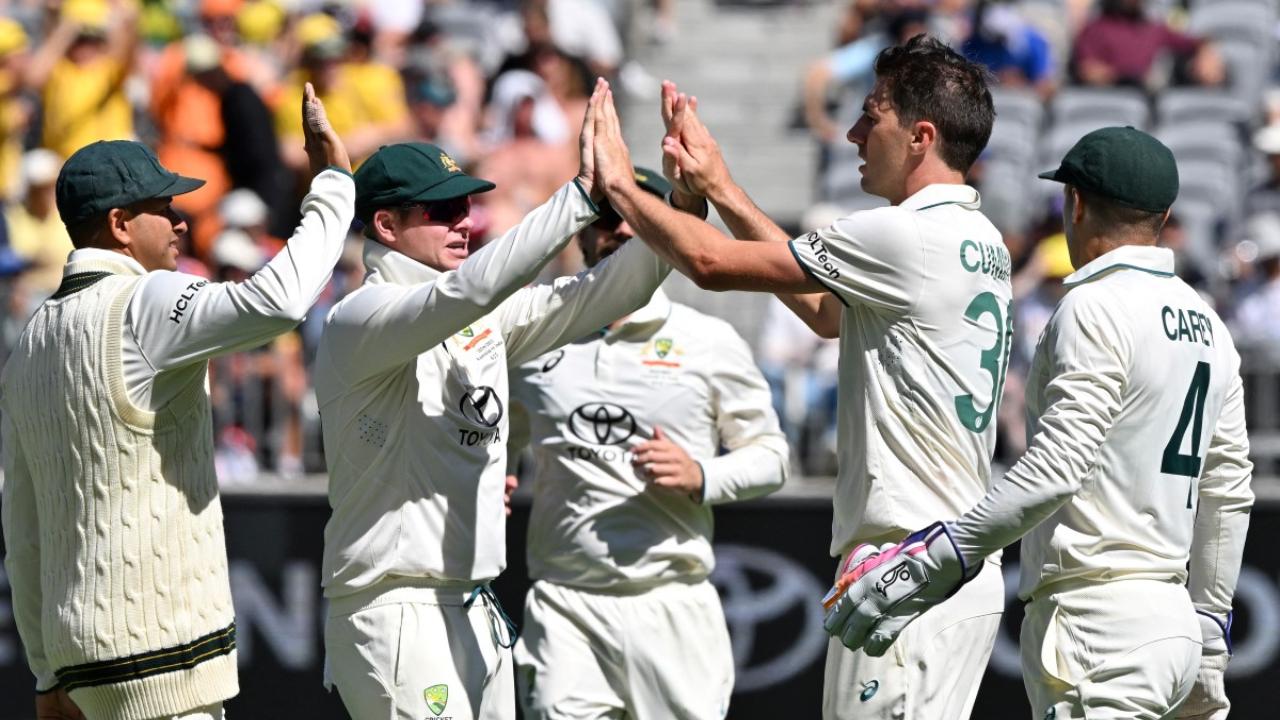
408,173
113,174
652,181
1122,164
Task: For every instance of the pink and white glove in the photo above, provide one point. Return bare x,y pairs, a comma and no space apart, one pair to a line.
879,591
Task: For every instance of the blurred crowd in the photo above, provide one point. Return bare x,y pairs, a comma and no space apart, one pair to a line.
215,87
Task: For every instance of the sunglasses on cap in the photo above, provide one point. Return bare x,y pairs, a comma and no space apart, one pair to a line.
448,212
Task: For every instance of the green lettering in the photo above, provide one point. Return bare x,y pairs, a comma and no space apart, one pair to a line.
964,260
1165,316
1184,332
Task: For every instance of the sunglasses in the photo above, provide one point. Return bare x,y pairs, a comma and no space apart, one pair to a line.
448,212
608,219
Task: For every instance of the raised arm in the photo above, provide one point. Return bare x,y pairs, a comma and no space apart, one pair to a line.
698,250
543,317
691,153
179,318
404,321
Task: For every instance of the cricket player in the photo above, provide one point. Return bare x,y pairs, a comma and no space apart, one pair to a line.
411,377
919,296
111,516
1138,468
625,424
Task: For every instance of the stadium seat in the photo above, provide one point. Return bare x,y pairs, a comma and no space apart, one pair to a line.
1237,21
1217,142
1182,105
1101,107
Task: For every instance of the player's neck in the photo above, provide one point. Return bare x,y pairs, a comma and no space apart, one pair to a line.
924,176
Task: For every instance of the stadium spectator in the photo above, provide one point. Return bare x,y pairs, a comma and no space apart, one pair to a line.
15,109
188,118
437,70
80,72
1265,196
1014,51
1257,318
36,233
366,117
531,155
1121,46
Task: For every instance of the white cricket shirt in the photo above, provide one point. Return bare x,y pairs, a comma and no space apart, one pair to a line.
411,377
1137,439
924,345
597,524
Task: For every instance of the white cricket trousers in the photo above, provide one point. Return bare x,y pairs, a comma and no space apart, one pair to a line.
662,654
931,672
1122,649
406,652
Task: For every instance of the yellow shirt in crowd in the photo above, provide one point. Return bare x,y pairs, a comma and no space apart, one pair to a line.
85,103
44,243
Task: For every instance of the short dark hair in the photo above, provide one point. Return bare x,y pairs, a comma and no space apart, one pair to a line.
1109,213
926,80
85,233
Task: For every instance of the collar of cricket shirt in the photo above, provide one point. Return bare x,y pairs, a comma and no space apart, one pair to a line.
647,319
97,260
384,265
1147,258
943,194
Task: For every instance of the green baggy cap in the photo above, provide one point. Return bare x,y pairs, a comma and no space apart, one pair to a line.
113,174
1122,164
407,173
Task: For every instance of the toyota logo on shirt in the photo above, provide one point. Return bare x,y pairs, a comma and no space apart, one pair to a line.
602,424
481,405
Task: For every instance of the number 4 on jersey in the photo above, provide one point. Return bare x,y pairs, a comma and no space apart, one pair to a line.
1174,462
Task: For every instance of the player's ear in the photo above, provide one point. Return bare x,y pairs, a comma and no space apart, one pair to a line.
384,223
1077,205
924,135
117,226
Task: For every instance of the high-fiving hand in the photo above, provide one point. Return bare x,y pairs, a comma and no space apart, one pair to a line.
612,158
323,146
691,157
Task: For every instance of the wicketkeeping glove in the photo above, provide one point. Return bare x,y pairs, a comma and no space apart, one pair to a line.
878,592
1208,699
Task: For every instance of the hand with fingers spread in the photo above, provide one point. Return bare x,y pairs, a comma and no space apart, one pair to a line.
666,465
612,158
323,146
689,149
587,175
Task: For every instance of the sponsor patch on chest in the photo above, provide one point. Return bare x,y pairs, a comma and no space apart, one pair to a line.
477,343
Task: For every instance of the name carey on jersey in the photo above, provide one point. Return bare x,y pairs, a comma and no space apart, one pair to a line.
1186,326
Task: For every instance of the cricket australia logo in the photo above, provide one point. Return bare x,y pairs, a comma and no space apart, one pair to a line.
900,572
602,423
662,346
449,164
481,405
437,697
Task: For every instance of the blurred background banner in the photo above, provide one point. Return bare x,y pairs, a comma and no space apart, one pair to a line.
771,572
